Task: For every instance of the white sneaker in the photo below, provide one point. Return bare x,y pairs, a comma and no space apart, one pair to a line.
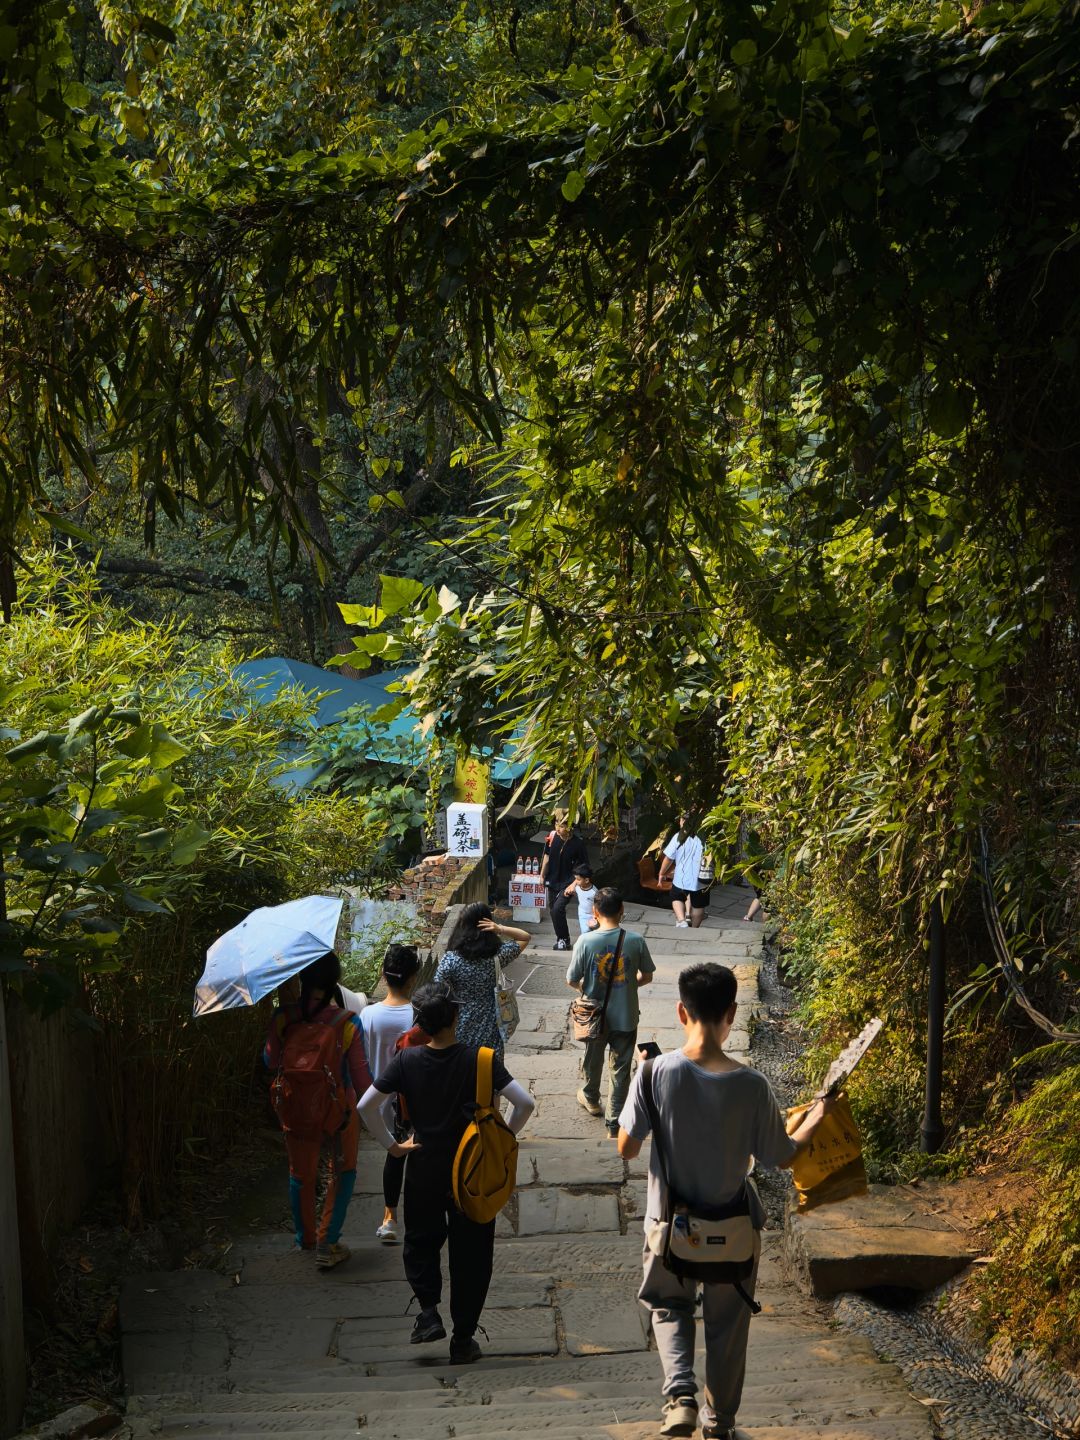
680,1416
388,1233
327,1256
682,924
592,1106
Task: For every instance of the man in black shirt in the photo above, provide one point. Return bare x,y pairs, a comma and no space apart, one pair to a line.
438,1084
562,852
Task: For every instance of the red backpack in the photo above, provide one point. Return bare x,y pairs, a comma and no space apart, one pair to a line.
308,1092
411,1039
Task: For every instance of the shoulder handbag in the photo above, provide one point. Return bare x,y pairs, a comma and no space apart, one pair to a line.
706,871
714,1244
506,1004
586,1016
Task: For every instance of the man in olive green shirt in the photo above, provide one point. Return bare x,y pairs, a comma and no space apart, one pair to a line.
590,969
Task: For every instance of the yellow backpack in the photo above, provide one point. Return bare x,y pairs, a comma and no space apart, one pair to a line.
485,1166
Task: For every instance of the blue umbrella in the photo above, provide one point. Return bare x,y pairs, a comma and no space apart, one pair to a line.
274,943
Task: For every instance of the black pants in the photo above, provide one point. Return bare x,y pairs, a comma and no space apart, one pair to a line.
557,903
393,1173
431,1220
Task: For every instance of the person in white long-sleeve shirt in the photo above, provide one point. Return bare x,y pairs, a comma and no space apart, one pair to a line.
381,1027
438,1083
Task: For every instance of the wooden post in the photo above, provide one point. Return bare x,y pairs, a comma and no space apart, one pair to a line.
12,1351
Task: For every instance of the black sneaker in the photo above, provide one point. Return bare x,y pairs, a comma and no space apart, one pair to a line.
464,1350
427,1326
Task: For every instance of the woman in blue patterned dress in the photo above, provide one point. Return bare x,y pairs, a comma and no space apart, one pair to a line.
468,967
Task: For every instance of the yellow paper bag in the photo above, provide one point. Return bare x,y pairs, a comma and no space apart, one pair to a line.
831,1168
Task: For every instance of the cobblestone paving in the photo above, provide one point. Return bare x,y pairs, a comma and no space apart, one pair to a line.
968,1403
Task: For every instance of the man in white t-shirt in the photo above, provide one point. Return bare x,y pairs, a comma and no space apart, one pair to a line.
684,854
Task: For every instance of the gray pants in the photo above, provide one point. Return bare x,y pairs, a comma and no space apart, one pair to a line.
621,1048
727,1327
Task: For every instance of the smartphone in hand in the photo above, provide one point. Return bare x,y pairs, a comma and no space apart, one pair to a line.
648,1050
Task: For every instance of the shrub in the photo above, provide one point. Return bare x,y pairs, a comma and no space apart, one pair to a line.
225,841
362,966
1031,1290
853,959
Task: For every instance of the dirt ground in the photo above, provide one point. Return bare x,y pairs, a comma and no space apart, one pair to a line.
978,1201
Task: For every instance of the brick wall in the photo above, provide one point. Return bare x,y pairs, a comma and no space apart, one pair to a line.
434,886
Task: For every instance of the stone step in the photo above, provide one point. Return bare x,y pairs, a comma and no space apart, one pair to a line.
270,1260
746,932
665,942
444,1420
613,1426
615,1418
826,1389
636,914
781,1351
796,1402
890,1427
523,1413
889,1237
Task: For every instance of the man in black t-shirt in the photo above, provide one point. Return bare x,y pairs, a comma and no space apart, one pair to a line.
562,852
438,1084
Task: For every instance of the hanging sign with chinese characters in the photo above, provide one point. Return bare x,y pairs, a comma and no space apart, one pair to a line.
470,780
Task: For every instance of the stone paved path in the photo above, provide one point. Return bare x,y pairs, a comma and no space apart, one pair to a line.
277,1349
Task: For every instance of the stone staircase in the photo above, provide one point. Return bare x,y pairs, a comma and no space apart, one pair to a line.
273,1348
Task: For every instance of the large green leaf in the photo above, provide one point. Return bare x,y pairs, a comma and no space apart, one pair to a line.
153,743
190,839
398,593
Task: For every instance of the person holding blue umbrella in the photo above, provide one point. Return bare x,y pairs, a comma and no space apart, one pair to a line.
317,1050
315,1047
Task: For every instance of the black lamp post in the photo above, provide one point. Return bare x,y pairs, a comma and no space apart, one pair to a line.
932,1130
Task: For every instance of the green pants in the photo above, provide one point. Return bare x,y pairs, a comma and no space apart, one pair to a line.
620,1046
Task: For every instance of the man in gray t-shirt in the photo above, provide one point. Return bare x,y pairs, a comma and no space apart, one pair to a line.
598,959
715,1118
714,1125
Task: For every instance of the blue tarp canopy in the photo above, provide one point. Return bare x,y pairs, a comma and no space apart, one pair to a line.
265,678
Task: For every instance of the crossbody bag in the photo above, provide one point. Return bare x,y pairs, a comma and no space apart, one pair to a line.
586,1016
714,1244
506,1004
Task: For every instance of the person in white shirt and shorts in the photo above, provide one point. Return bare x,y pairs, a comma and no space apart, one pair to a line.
583,890
691,874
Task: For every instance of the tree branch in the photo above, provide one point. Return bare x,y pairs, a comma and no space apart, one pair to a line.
154,569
